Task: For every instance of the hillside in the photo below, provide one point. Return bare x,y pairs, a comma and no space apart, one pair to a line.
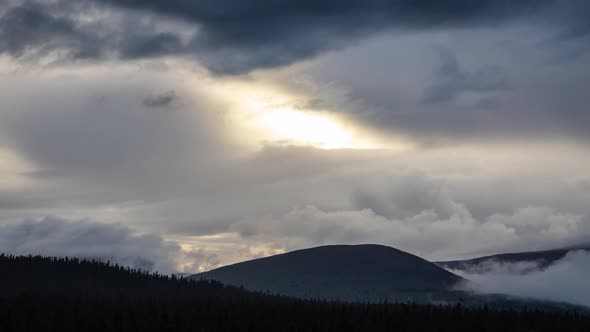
536,259
356,272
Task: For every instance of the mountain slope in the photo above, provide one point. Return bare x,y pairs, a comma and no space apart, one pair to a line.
360,272
535,259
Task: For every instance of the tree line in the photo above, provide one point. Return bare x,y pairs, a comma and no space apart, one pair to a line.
69,294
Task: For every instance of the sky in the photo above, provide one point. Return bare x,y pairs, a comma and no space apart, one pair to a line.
183,135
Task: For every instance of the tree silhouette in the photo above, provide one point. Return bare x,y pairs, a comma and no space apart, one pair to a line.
69,294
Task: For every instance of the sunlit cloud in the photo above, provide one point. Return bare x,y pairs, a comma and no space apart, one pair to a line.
14,170
265,114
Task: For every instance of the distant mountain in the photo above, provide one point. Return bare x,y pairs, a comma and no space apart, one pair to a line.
527,261
344,272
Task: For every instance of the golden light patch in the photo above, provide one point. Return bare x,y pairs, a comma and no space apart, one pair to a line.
262,114
13,170
307,128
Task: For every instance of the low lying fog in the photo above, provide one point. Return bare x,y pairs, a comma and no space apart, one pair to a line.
567,280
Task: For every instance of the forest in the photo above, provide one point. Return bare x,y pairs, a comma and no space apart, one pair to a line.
71,294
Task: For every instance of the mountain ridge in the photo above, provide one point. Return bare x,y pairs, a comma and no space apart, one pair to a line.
541,260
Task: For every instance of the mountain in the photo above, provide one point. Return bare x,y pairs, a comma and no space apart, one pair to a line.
344,272
528,261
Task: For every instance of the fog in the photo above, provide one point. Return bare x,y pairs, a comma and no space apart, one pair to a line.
564,281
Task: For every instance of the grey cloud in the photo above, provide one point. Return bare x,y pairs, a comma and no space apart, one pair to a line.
150,46
66,141
492,266
406,195
87,154
161,100
31,29
451,80
25,199
65,132
487,104
579,16
566,280
117,243
108,155
31,25
480,91
113,154
237,38
436,226
168,171
583,185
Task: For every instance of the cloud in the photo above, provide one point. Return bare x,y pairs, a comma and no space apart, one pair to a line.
162,100
28,25
482,85
230,38
31,30
566,280
174,173
260,33
65,131
117,243
429,223
493,266
451,80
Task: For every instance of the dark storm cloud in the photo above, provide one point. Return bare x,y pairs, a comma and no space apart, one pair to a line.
32,29
32,25
238,36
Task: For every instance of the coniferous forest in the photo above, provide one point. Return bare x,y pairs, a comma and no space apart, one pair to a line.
69,294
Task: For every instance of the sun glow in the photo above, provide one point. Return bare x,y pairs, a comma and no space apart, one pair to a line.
307,128
265,115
